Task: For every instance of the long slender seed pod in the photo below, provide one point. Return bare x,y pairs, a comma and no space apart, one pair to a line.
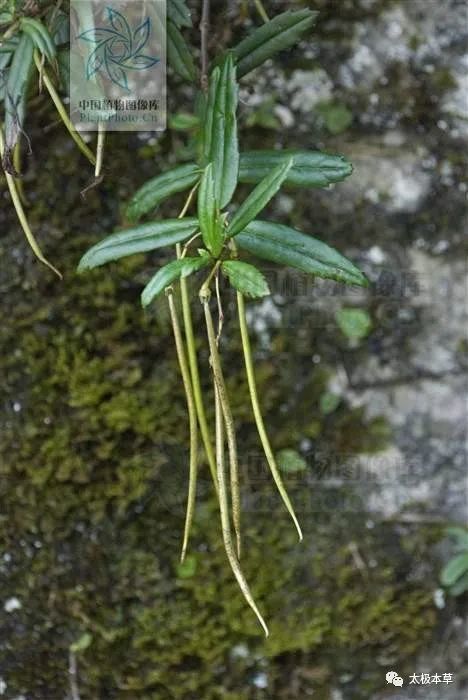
193,362
61,109
184,370
101,138
22,218
195,375
224,511
229,423
258,415
17,168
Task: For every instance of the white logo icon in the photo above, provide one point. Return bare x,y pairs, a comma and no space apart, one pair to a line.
394,678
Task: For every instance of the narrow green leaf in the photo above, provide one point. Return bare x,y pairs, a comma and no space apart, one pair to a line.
258,199
245,278
160,188
39,35
9,45
59,26
200,110
309,168
280,33
460,585
179,13
140,239
460,535
170,272
208,213
286,246
16,90
179,55
456,567
206,107
220,132
5,59
6,15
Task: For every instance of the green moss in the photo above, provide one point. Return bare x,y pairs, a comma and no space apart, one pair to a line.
93,454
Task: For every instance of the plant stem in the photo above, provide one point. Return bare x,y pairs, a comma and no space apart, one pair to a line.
22,216
73,676
228,420
220,309
184,370
101,137
188,201
205,288
258,414
12,29
204,29
261,10
224,512
62,111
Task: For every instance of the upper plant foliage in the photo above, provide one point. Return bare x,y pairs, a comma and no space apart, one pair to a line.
280,33
220,144
33,35
25,32
221,167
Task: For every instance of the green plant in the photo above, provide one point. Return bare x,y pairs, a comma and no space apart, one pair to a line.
356,324
213,240
454,575
33,38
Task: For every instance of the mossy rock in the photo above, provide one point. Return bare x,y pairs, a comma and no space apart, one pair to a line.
93,466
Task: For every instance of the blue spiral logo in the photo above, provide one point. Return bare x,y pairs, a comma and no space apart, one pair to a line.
118,49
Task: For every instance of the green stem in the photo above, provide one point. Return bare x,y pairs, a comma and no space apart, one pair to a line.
258,414
205,288
224,512
261,10
12,29
61,110
228,420
22,216
184,370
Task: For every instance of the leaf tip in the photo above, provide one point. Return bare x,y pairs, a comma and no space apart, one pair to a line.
84,264
131,213
145,298
364,281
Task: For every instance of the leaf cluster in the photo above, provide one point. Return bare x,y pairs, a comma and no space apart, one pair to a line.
221,228
22,36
